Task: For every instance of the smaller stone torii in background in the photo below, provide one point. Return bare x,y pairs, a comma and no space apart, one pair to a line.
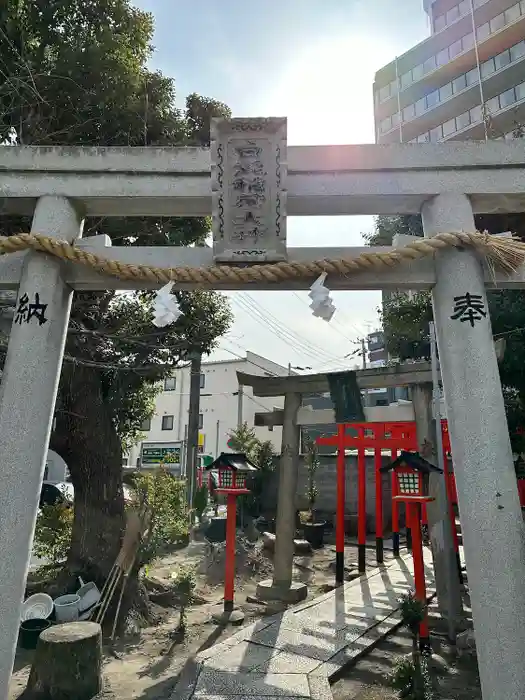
418,377
250,181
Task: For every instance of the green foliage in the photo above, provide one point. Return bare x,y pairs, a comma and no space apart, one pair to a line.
406,323
403,679
412,612
75,73
184,583
53,533
386,227
165,499
411,677
261,454
200,500
312,465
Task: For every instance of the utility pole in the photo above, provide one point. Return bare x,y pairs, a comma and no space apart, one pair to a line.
192,440
363,357
240,397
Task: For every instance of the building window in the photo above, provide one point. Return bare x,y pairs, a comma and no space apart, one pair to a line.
460,83
201,421
449,127
492,106
436,134
145,426
487,68
464,7
468,41
429,65
502,59
455,49
432,99
517,51
385,125
417,72
170,384
520,91
445,92
167,422
421,106
406,79
423,138
497,23
472,77
483,32
453,14
395,122
442,57
409,113
512,14
202,381
463,120
440,23
507,98
475,114
384,93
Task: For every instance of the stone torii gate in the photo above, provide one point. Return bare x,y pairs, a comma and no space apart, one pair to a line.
251,181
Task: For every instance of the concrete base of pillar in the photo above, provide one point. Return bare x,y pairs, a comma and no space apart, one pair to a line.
228,617
294,593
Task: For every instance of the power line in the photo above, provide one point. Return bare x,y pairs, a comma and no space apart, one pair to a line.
291,338
284,335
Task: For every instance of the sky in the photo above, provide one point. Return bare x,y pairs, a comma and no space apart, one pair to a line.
312,61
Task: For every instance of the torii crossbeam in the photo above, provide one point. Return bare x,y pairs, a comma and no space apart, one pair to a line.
250,182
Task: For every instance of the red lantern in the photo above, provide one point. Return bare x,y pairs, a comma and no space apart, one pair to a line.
229,473
412,473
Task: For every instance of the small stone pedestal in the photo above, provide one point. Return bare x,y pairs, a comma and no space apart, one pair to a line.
224,617
295,592
67,663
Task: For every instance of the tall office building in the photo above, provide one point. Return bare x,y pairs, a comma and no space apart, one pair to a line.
465,81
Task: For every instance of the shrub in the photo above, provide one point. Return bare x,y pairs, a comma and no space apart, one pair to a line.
165,498
53,529
200,501
184,582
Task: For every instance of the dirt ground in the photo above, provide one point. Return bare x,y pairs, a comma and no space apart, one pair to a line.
145,664
455,677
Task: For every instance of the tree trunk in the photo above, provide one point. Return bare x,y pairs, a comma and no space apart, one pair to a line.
67,663
86,438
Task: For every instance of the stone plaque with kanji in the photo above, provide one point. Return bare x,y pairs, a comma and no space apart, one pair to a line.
248,174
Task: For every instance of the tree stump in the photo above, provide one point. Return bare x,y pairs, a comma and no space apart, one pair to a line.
67,663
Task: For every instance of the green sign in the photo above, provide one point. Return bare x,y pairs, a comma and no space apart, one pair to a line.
156,454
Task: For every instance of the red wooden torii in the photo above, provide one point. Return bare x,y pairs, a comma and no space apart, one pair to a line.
392,436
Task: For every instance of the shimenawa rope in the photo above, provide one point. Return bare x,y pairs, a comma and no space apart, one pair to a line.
506,254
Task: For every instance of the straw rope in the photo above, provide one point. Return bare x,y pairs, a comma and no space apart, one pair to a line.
505,254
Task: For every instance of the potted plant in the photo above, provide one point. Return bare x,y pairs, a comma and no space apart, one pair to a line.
312,528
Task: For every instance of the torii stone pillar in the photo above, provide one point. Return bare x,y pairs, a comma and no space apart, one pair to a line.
439,524
492,523
282,587
27,403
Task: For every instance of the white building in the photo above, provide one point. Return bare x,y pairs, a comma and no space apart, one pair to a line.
220,408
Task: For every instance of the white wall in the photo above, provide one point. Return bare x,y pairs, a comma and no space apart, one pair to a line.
218,405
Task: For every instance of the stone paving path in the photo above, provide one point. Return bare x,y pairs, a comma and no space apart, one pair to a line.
295,654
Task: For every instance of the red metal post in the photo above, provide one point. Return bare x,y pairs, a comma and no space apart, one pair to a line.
361,508
419,568
379,506
229,575
395,510
451,499
340,509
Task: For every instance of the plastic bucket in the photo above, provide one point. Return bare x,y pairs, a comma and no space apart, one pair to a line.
30,631
89,596
66,607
